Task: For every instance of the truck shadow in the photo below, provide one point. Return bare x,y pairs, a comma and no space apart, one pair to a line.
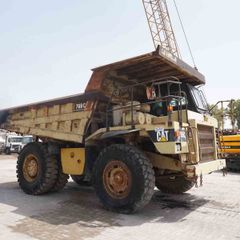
76,211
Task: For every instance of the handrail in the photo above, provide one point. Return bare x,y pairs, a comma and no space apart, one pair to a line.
156,82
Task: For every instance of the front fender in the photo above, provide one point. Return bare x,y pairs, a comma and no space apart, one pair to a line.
112,134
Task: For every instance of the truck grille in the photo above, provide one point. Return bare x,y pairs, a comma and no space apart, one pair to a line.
206,143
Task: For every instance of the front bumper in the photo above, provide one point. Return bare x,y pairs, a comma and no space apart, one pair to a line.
200,169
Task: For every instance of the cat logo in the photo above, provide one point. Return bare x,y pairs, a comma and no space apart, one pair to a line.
162,135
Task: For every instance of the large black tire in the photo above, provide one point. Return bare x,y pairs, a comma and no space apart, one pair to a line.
62,179
174,185
46,172
140,184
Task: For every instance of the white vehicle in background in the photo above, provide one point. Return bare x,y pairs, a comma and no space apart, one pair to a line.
26,139
13,144
3,134
2,144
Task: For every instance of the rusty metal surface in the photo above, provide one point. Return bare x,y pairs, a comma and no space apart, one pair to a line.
96,80
148,67
117,179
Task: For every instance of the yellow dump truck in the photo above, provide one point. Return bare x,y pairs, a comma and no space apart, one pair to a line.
230,149
141,123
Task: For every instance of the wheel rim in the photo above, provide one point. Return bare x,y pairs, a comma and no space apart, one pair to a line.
117,179
30,168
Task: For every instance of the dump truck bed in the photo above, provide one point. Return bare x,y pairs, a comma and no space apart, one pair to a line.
61,119
68,118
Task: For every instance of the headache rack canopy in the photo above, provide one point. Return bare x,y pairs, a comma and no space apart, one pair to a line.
147,67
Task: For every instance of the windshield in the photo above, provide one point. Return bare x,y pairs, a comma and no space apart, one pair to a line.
199,98
15,140
27,140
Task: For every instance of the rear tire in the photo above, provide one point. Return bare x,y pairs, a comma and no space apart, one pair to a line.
123,178
37,170
62,178
174,185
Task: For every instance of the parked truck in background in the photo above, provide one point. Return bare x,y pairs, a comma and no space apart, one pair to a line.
10,142
13,144
141,123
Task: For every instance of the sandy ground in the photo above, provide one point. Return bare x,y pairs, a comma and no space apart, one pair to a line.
209,212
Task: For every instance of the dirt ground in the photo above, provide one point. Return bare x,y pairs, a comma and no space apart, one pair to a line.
209,212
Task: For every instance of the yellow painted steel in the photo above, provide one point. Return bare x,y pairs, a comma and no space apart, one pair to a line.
237,151
231,138
205,168
73,160
230,144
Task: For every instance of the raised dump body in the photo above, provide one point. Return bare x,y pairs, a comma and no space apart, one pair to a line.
68,118
141,123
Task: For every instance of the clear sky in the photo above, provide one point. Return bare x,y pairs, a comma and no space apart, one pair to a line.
47,48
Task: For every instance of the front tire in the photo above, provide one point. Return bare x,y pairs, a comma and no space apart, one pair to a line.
174,185
37,170
123,178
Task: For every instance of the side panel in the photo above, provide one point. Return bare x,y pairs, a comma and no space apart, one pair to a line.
66,122
73,160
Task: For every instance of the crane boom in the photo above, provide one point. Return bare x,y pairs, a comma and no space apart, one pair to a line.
161,27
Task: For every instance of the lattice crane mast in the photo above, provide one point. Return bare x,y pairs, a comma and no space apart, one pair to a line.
161,27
